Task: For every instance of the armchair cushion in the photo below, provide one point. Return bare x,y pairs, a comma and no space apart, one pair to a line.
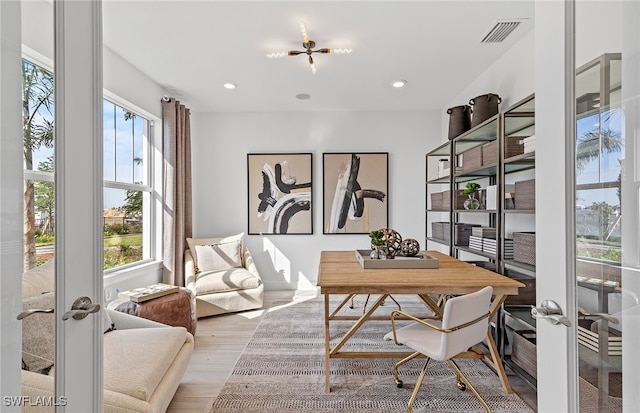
227,280
215,254
222,256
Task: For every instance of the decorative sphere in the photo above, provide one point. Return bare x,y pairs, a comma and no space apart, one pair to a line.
409,247
393,240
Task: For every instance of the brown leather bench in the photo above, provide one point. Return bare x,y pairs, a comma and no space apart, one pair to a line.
177,309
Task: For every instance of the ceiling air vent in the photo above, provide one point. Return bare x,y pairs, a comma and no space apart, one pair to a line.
500,31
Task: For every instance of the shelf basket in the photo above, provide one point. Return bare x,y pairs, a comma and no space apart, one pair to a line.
524,247
523,351
436,201
526,194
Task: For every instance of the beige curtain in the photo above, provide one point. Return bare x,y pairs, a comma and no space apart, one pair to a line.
177,213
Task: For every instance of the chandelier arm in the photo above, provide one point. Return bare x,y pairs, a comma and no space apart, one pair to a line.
295,52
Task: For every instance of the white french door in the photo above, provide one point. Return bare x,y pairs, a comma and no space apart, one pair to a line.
78,192
588,204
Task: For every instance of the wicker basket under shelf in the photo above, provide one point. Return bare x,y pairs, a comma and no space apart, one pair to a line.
472,159
438,230
523,351
526,194
484,232
458,202
463,232
512,146
524,247
436,201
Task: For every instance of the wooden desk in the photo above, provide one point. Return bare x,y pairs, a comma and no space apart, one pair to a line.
340,273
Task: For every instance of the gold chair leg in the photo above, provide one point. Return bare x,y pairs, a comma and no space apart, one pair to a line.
394,300
400,363
418,384
461,375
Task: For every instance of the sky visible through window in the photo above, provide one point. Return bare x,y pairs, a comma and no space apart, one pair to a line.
604,168
123,145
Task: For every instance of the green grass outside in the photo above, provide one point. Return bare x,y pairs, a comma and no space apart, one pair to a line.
123,240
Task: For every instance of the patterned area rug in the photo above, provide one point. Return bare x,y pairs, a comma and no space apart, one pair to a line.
282,370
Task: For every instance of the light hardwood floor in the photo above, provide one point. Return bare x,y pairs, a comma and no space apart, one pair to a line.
220,340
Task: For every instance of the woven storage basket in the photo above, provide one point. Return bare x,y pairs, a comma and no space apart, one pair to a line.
437,230
458,202
513,146
526,295
436,201
524,247
463,232
484,232
490,153
446,228
526,194
523,351
472,159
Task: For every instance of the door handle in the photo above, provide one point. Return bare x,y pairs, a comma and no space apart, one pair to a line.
551,311
600,316
27,313
81,308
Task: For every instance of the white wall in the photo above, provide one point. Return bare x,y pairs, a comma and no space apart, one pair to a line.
220,142
510,77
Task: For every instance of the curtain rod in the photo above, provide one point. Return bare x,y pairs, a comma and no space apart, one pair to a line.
166,98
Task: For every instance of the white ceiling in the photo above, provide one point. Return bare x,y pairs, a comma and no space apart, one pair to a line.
193,47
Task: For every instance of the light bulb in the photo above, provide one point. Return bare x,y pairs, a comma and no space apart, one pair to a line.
303,31
341,51
313,68
274,55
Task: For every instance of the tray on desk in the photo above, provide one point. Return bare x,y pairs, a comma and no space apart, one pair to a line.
418,261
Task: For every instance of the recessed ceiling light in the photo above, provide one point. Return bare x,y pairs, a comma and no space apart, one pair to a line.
398,83
229,85
303,96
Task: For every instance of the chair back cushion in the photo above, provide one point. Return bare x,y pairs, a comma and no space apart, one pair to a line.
460,310
215,254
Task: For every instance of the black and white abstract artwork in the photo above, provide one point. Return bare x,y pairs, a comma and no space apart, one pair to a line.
279,188
355,193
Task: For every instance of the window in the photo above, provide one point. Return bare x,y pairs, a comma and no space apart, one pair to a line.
128,210
127,192
38,139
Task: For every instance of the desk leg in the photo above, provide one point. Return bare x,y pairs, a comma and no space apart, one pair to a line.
496,361
327,360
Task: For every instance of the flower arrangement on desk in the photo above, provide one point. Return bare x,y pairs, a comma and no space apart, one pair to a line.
378,244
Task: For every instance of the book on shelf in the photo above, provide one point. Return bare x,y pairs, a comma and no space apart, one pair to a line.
149,292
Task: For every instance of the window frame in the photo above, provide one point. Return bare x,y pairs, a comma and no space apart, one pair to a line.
152,221
152,148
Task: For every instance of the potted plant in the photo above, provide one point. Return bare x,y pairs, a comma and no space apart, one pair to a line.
377,245
470,191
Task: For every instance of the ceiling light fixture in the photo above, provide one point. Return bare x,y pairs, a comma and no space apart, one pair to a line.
309,45
398,83
229,85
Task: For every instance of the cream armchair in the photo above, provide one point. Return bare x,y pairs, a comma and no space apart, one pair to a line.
224,291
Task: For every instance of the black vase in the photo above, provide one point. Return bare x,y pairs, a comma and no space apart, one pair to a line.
459,120
484,107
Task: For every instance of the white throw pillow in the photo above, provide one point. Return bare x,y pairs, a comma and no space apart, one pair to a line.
193,242
222,256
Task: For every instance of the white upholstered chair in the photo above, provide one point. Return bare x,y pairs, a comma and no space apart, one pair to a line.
464,324
222,276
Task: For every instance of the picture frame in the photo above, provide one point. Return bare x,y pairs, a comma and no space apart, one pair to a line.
355,192
279,187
